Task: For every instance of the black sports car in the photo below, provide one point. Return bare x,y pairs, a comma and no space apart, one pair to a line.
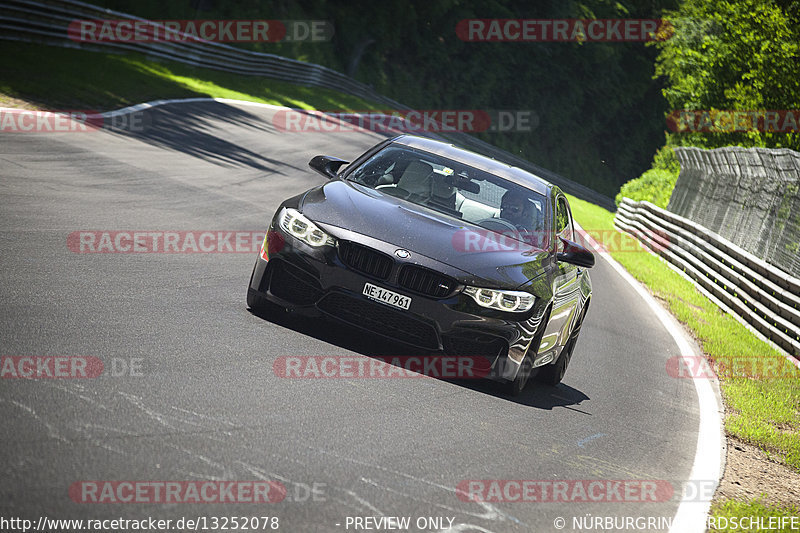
439,248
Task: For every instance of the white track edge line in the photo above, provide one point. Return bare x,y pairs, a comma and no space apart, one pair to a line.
709,456
158,103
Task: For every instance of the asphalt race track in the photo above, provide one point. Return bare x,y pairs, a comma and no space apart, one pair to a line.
203,402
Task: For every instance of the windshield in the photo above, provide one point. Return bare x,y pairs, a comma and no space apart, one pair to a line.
459,191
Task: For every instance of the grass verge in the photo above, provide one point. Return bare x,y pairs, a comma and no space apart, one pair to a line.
68,79
762,401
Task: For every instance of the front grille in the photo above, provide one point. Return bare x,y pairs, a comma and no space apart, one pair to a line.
423,281
380,319
292,284
365,260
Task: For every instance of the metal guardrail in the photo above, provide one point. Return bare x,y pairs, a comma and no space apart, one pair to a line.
761,294
47,22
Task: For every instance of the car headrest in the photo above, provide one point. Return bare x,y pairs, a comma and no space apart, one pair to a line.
417,178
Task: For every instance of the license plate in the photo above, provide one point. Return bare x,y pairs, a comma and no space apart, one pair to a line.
386,296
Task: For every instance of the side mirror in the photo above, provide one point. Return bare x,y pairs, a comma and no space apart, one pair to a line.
327,165
575,254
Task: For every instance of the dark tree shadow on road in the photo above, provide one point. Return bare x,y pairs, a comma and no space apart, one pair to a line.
194,129
339,334
535,394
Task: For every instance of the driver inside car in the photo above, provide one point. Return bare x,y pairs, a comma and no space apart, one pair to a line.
520,211
517,210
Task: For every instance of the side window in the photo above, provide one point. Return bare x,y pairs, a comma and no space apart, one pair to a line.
563,220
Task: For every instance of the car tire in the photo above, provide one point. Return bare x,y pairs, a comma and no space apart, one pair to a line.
263,307
552,374
515,387
526,370
257,303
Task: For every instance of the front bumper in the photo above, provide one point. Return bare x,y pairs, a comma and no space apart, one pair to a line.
329,280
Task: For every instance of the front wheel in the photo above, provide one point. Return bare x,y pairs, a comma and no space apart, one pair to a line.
257,303
516,387
553,374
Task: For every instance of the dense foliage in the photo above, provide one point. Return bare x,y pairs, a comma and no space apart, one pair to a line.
725,55
599,111
600,108
733,55
655,186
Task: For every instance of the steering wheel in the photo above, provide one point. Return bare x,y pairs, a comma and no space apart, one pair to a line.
376,175
503,224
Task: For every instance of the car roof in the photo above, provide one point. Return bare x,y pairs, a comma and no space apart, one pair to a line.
481,162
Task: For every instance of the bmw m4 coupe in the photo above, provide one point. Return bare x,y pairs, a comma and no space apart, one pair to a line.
436,247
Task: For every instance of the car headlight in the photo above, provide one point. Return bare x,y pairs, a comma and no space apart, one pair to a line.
298,226
511,301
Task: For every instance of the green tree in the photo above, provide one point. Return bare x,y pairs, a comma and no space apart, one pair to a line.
600,112
733,55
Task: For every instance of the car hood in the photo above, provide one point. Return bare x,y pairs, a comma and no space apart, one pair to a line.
465,247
